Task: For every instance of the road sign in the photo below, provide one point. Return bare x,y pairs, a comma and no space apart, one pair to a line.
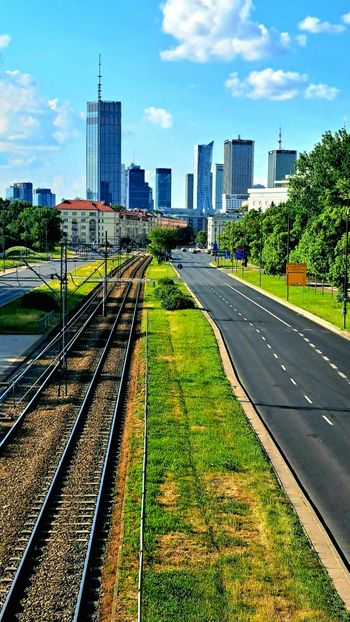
227,255
296,273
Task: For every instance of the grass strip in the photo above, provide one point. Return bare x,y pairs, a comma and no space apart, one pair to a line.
18,319
222,541
317,300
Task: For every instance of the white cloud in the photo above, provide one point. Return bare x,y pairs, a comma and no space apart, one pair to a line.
29,123
4,41
321,91
315,26
219,29
159,116
346,18
278,85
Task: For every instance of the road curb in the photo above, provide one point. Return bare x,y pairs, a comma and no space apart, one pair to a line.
289,305
310,522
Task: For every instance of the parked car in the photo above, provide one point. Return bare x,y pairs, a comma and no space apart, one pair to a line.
184,249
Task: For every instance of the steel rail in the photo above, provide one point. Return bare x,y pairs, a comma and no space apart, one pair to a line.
52,369
80,610
91,298
11,601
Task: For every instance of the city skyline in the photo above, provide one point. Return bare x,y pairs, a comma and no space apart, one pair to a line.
257,69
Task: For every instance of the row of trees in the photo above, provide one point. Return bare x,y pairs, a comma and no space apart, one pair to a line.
311,226
38,228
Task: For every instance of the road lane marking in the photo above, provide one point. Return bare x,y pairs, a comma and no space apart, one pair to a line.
283,367
325,358
257,330
293,381
318,351
308,399
333,366
253,301
312,345
275,355
268,345
306,339
263,338
250,324
326,419
340,373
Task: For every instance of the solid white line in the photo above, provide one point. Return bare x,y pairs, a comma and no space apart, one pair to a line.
283,367
325,418
308,399
253,301
275,355
293,381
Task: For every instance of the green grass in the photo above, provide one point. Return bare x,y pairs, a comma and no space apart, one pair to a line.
323,304
222,542
16,319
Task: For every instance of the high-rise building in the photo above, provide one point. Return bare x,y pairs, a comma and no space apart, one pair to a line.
103,150
163,188
139,193
189,191
281,163
43,197
218,186
21,190
123,186
201,177
238,166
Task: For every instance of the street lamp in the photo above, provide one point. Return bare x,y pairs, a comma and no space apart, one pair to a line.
346,265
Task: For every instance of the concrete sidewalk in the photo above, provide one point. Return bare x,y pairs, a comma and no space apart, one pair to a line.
14,349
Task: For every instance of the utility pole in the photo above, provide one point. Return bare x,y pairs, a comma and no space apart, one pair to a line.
346,265
63,300
104,313
288,236
260,252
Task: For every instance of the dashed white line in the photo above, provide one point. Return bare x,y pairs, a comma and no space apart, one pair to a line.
250,324
293,381
275,355
312,345
333,366
263,338
268,345
306,339
283,367
308,399
340,373
257,330
325,358
326,419
318,351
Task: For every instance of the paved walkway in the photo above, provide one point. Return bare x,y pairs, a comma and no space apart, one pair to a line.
14,349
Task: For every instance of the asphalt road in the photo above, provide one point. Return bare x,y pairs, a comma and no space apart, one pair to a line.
17,283
297,375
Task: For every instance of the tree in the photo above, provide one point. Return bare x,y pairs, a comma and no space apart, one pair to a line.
40,227
202,238
161,241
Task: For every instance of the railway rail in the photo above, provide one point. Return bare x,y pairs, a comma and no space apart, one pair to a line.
50,527
26,385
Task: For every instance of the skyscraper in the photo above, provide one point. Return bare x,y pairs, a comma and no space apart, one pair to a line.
163,188
201,176
189,191
138,191
218,186
103,150
281,163
238,166
43,197
21,190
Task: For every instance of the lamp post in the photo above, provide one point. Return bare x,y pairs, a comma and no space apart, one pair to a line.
345,295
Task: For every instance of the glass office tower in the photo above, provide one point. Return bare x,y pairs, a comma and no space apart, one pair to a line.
201,177
281,163
238,166
163,188
103,152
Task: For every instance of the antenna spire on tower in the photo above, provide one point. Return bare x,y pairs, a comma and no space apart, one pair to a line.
280,139
99,79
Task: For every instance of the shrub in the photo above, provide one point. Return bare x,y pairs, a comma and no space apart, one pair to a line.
40,301
177,300
166,281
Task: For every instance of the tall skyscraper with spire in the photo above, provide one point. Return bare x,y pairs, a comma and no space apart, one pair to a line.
103,149
281,163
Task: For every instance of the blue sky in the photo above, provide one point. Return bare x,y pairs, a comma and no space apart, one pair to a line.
186,72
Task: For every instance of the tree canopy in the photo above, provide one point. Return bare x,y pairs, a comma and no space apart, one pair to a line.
35,227
161,241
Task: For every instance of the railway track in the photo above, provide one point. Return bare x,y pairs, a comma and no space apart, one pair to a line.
27,384
58,489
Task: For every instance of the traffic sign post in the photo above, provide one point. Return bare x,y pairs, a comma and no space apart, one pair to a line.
295,275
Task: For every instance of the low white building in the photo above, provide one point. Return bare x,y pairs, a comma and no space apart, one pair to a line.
216,224
232,203
262,198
